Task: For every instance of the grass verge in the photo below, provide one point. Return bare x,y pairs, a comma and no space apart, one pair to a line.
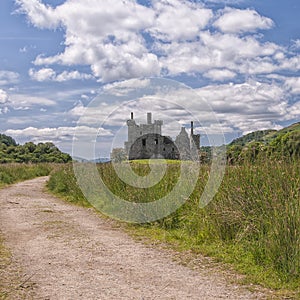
12,173
252,224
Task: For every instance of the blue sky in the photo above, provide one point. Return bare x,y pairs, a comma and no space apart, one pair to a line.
243,57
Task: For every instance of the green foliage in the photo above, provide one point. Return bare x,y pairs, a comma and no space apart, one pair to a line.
256,136
269,144
7,140
286,146
63,182
11,173
11,152
253,221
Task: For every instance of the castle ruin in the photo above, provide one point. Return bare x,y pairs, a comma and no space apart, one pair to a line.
146,141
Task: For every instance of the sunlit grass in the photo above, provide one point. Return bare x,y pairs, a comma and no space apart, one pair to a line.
253,222
11,173
155,161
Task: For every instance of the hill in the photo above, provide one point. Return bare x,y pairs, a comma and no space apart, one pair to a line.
265,136
279,144
11,152
256,136
292,128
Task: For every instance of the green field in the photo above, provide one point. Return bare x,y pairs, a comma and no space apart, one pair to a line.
253,222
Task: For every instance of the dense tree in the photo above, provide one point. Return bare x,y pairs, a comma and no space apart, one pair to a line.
286,146
10,151
7,140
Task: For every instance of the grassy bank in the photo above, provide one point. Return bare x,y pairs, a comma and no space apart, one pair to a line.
253,222
12,173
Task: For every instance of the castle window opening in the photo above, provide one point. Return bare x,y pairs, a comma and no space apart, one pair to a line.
144,142
156,141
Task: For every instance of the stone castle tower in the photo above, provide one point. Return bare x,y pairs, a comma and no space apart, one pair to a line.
146,141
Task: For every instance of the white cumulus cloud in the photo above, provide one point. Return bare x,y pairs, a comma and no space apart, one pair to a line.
220,74
104,35
125,87
42,16
179,20
124,39
296,44
248,106
242,20
3,96
294,111
48,74
56,133
217,51
8,77
42,75
25,101
293,84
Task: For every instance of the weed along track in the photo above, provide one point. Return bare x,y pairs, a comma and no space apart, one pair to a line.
69,252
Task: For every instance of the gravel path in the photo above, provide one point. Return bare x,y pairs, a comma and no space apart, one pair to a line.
68,252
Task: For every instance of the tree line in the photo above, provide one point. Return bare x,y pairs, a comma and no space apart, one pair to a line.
11,152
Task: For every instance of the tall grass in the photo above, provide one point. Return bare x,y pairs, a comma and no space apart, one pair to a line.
63,183
253,221
259,206
11,173
256,212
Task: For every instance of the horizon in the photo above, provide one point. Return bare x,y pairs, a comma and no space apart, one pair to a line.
241,58
107,158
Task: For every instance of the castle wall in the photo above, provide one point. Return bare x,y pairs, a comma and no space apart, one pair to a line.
146,141
195,140
153,146
136,131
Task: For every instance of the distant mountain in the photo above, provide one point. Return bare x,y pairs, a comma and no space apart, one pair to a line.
96,160
100,160
79,159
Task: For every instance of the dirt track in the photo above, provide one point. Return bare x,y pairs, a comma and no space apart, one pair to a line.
68,252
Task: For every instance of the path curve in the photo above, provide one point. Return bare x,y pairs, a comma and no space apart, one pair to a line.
71,253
